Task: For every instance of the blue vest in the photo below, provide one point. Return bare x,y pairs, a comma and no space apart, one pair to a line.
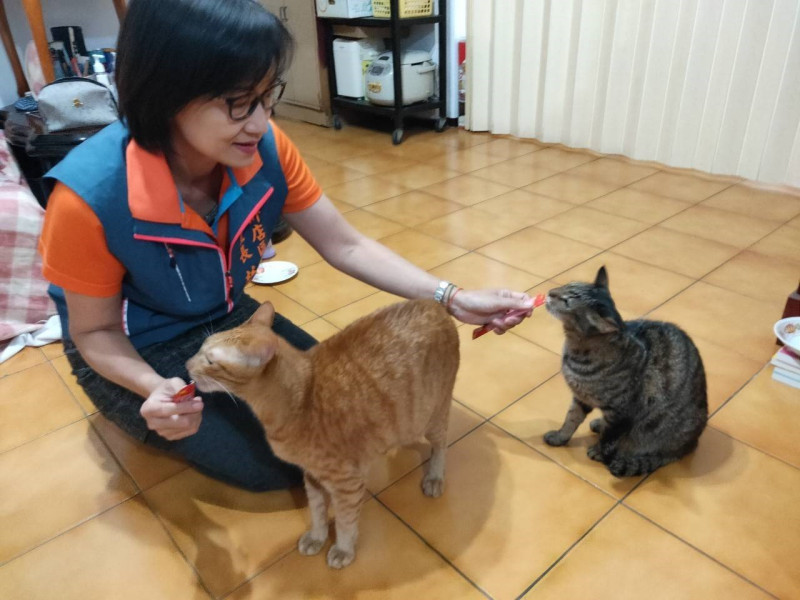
176,278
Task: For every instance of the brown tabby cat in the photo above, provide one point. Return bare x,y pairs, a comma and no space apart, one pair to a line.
646,376
384,381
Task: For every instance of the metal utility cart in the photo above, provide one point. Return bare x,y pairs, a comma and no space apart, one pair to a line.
397,112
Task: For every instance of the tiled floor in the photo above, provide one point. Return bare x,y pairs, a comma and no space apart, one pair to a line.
86,513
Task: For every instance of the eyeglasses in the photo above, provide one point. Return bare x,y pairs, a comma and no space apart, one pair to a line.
242,107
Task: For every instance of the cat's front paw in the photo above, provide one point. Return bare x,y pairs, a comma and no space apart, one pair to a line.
433,486
598,425
555,438
309,545
338,558
595,453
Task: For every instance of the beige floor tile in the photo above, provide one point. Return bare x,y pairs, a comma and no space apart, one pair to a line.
361,192
56,482
391,564
637,552
474,271
593,227
377,163
335,175
418,151
24,359
466,189
295,249
681,187
736,322
756,203
333,151
539,252
636,287
542,328
556,159
679,252
372,225
763,416
720,225
314,163
783,243
53,350
342,317
123,554
321,288
795,223
342,207
735,504
422,250
465,161
453,139
284,305
228,534
418,176
543,410
413,208
146,466
726,371
525,207
496,370
572,188
320,329
613,171
33,403
508,147
508,173
757,276
502,518
391,467
64,370
471,228
641,206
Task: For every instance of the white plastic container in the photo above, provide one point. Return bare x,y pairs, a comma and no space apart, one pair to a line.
418,74
344,9
351,59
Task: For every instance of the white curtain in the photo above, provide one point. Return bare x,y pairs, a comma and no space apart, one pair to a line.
712,85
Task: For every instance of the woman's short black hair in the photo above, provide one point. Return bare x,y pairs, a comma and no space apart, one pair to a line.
171,52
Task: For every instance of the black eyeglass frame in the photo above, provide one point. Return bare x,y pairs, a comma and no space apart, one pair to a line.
269,96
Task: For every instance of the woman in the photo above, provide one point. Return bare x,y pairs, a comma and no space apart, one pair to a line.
156,224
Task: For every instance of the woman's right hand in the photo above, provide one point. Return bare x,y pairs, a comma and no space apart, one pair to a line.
172,420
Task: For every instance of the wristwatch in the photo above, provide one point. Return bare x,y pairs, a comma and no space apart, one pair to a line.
438,295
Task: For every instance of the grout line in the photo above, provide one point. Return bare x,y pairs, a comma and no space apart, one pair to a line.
434,549
699,550
568,550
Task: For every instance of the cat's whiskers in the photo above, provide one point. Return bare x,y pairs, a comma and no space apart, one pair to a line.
225,389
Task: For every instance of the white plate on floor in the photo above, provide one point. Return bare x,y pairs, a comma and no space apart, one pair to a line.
788,331
275,271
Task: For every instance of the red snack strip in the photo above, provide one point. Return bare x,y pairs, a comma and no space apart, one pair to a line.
537,302
187,392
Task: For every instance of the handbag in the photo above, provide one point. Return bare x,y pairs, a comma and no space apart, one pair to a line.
75,103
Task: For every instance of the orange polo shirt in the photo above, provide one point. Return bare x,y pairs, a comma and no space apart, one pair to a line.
73,244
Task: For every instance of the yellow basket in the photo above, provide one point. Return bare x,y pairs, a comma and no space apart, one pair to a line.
408,8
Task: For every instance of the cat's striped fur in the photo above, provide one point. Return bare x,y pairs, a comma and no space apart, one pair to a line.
384,381
646,377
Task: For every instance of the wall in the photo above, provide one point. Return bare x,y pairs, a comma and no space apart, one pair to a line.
97,18
707,84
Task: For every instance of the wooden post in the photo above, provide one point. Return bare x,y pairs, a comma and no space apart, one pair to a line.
11,51
33,10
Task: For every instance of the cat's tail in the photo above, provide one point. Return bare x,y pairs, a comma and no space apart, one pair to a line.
638,464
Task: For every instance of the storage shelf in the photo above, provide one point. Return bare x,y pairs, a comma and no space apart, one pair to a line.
366,106
375,22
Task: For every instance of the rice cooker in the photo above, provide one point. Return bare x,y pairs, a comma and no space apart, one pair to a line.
417,73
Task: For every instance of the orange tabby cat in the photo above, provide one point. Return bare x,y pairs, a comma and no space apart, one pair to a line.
384,381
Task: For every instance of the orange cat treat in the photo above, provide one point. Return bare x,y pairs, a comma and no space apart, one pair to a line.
537,302
187,392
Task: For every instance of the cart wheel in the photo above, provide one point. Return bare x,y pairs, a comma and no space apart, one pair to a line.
337,122
440,124
397,136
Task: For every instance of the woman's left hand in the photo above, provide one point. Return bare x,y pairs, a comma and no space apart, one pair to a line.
481,307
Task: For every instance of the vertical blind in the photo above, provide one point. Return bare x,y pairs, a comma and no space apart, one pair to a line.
712,85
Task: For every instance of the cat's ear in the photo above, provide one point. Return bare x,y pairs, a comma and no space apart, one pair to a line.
601,280
264,315
602,324
260,351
